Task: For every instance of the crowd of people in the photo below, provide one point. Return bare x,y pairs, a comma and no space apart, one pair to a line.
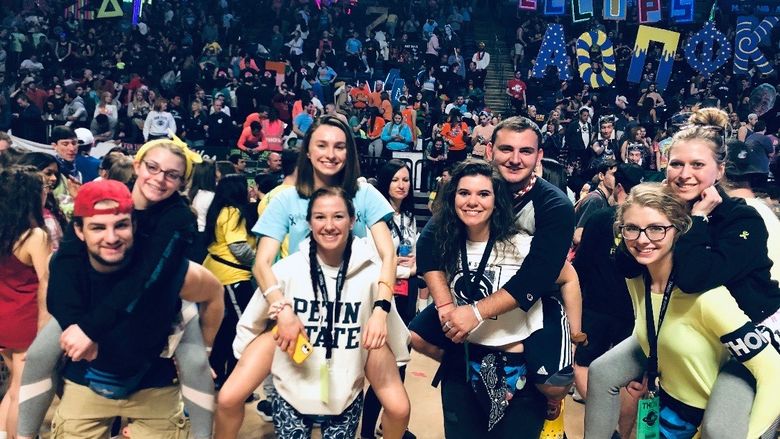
565,232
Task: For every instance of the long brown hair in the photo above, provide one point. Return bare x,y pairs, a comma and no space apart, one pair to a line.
346,178
21,206
450,230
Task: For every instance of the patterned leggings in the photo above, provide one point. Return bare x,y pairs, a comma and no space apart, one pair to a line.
291,424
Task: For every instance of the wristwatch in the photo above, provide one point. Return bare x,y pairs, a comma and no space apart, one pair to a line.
384,304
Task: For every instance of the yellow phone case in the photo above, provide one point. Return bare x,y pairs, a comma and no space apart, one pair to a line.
302,347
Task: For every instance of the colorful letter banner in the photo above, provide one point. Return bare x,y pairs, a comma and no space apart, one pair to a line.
614,9
670,39
700,51
554,7
747,40
581,10
552,52
649,11
681,11
528,5
584,43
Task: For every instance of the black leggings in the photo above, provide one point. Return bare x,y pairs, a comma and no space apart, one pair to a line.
222,360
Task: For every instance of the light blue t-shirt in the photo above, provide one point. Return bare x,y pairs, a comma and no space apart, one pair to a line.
304,121
286,215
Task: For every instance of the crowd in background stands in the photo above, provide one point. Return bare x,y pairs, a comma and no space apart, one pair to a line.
199,69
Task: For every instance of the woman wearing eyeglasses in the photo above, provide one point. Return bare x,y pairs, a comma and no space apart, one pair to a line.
726,246
690,336
165,227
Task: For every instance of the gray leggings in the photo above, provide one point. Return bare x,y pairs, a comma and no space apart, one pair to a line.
728,409
39,376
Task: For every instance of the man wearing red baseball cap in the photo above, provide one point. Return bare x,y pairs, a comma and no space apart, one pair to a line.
115,376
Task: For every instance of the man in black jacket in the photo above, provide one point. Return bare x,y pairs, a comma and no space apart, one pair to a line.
119,376
544,212
579,136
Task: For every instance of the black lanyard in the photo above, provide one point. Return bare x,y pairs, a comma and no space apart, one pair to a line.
652,335
472,281
333,316
399,230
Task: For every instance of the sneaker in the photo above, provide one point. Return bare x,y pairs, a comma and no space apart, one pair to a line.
263,409
252,398
553,425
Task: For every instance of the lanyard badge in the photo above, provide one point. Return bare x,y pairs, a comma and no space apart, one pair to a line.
649,407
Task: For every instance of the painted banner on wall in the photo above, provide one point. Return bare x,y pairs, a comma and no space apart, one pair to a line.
615,9
607,73
552,52
649,11
644,36
581,10
749,35
528,5
707,50
554,7
681,11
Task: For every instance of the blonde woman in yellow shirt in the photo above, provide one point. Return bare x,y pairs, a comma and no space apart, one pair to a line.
687,340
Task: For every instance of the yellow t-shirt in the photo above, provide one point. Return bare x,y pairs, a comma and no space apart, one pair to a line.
228,230
691,353
284,251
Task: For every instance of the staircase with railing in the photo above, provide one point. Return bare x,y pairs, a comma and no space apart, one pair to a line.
489,30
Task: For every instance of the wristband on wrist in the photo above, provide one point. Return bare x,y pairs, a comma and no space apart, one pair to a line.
579,338
704,217
477,313
385,305
271,289
443,305
387,284
277,307
208,349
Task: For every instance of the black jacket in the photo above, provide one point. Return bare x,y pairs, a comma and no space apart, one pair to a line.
146,299
728,250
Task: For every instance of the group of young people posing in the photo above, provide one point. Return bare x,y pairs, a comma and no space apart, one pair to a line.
335,311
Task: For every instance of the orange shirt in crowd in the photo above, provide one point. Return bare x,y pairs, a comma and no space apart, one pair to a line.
248,141
379,125
387,110
359,96
273,135
410,117
456,134
297,108
253,117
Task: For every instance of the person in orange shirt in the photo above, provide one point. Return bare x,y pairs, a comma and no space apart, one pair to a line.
455,133
375,98
386,107
374,127
251,138
360,95
410,117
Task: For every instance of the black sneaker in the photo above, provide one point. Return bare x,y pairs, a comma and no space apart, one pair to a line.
252,398
263,409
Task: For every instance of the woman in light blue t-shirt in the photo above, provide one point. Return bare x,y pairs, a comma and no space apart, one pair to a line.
328,158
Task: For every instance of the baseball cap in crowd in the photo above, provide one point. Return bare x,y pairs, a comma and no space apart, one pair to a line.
629,175
95,192
742,160
85,136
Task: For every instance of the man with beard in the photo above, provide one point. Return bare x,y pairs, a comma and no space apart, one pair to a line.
120,376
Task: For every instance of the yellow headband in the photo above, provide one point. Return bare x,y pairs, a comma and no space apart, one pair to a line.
191,157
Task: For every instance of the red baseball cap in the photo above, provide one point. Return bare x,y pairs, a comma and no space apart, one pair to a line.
94,192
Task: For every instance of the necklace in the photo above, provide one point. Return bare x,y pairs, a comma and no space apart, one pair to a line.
528,187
